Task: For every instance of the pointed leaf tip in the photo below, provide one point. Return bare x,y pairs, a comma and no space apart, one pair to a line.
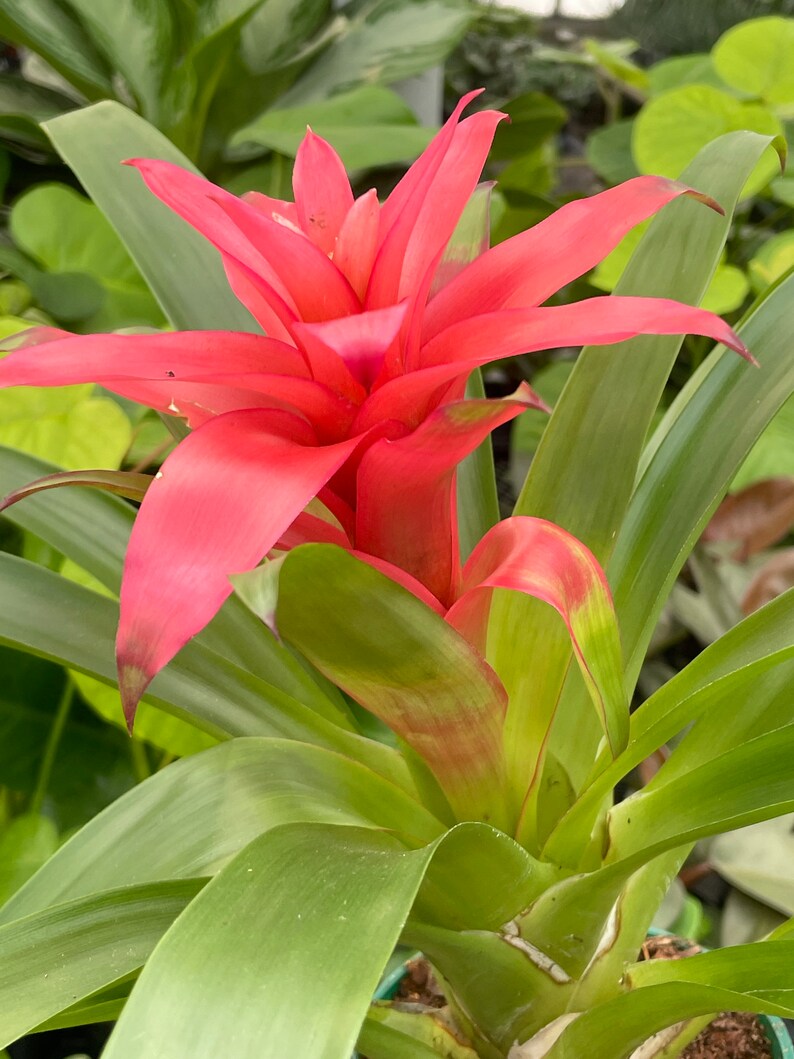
133,682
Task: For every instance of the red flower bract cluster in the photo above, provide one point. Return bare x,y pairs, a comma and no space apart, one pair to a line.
347,422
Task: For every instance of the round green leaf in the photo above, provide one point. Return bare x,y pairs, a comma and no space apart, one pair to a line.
755,56
673,127
774,258
69,295
697,69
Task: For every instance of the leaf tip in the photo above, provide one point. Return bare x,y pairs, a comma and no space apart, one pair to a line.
133,682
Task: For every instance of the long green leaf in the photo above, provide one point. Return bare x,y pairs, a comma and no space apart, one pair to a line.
49,960
615,1029
401,661
741,667
749,783
583,473
181,267
316,913
192,817
717,417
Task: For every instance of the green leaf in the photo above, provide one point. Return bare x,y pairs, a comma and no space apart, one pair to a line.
750,783
381,1038
193,816
65,233
383,42
772,261
754,57
671,129
609,151
48,29
619,1026
369,126
68,425
719,415
24,104
585,468
477,498
680,70
758,861
278,29
49,960
138,39
618,66
26,843
534,119
298,894
188,281
404,663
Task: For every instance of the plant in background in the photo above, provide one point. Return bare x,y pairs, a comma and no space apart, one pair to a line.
426,756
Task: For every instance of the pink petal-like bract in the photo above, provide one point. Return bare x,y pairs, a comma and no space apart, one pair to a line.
221,501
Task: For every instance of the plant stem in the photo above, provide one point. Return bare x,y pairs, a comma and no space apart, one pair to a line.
51,747
140,760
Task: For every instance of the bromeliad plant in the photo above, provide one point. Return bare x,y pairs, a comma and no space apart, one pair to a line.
427,756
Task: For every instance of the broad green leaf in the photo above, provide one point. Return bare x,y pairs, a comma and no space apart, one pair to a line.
24,104
719,415
138,39
48,29
671,129
390,1034
189,819
617,65
774,258
680,70
49,960
65,233
402,662
758,861
25,844
188,280
615,1029
477,498
772,456
369,126
584,470
754,57
743,919
534,119
299,893
750,783
383,42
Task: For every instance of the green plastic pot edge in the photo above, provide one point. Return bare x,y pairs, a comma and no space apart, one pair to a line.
773,1027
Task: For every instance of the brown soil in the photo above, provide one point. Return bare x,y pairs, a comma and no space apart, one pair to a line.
733,1035
419,986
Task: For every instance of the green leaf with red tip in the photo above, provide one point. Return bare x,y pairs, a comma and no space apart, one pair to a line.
405,664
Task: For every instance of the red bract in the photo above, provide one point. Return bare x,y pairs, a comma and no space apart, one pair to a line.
357,395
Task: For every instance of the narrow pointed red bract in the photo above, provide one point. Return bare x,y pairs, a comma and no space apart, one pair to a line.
206,515
543,560
322,191
357,242
528,268
596,321
405,500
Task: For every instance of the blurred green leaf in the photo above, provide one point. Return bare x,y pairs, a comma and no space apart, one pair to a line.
758,860
617,65
278,29
24,104
773,453
681,70
369,126
755,57
671,128
383,42
609,151
534,118
65,233
775,257
25,844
